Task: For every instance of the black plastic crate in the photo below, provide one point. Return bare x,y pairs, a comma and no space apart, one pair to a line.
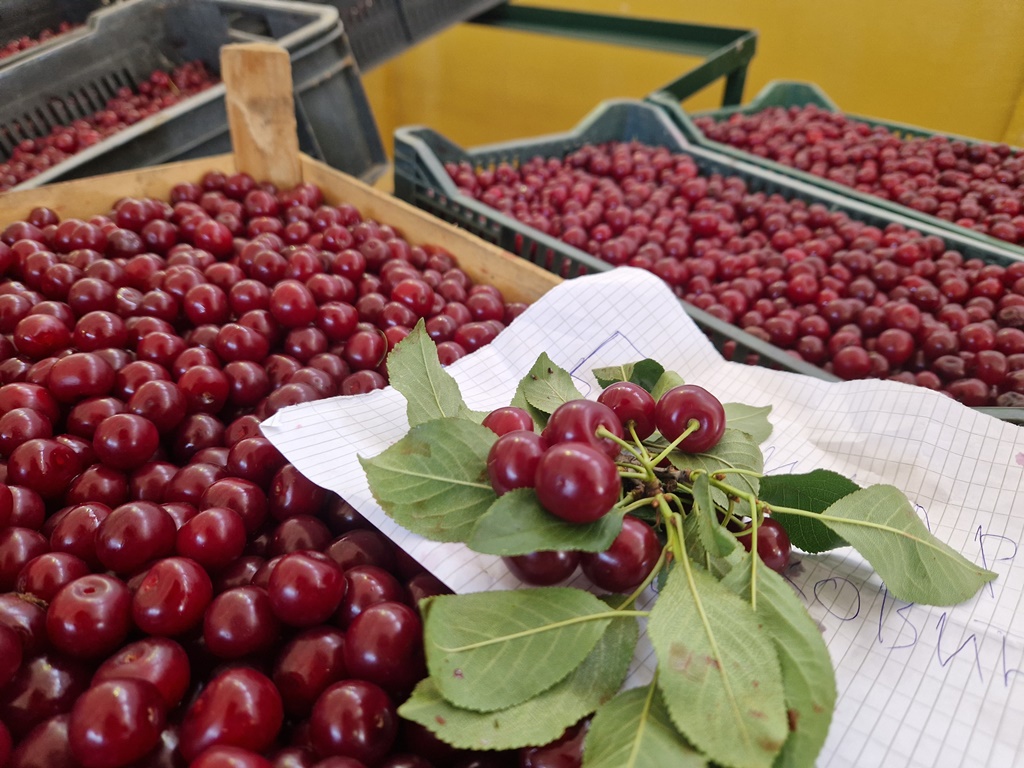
376,29
129,41
791,93
28,18
421,179
424,18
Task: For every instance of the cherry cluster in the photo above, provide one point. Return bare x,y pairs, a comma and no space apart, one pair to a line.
975,185
163,569
854,299
25,42
573,467
161,90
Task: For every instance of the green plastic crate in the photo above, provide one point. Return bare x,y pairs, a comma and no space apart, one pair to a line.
421,179
790,93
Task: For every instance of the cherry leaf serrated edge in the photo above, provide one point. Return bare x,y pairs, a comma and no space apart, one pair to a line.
541,719
808,679
434,480
634,730
880,523
415,371
718,670
547,386
492,650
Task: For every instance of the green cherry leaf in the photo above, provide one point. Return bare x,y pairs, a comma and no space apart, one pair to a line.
667,381
547,386
815,492
736,450
434,480
716,541
634,730
750,419
718,670
492,650
644,373
808,679
881,524
541,719
516,524
415,371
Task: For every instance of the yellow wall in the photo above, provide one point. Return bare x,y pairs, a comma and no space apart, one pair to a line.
951,65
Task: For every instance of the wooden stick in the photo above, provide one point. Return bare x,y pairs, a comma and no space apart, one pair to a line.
261,112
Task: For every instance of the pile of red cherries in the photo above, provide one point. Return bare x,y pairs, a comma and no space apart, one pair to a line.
976,185
854,299
24,43
172,591
160,91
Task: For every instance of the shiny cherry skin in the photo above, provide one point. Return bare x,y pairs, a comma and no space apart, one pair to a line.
631,403
544,568
564,752
773,545
126,441
507,419
307,665
627,562
134,534
76,532
578,421
354,718
89,617
44,686
44,575
223,756
512,460
683,404
116,722
44,746
172,597
240,707
213,538
11,654
306,588
157,660
577,482
384,645
240,622
18,546
43,465
367,585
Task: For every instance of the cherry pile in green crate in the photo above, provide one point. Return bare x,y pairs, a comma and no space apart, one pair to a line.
976,185
159,557
25,43
854,299
160,91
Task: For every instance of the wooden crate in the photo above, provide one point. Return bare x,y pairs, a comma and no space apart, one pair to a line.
518,279
259,101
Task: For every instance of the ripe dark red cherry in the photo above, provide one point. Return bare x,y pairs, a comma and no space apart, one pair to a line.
89,617
172,597
354,718
240,707
773,546
305,588
125,441
307,665
627,562
508,419
157,660
240,622
578,421
677,407
134,534
577,482
116,722
544,568
631,403
512,460
384,645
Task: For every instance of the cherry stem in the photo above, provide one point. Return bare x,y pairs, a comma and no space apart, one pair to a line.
602,432
645,458
691,427
650,577
751,499
613,614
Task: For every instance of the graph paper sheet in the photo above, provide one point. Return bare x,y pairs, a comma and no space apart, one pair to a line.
918,686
